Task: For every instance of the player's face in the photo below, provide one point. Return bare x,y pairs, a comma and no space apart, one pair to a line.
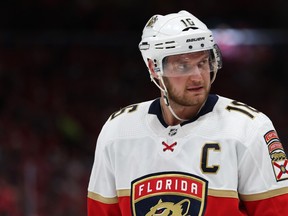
187,78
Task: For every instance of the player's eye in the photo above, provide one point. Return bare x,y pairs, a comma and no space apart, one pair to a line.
160,211
204,64
183,67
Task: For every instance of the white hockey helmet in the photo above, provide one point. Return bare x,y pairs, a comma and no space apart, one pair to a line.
177,33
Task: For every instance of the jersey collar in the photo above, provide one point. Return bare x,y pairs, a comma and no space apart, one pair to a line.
155,109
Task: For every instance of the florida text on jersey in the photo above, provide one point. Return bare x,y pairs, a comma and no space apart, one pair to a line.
228,160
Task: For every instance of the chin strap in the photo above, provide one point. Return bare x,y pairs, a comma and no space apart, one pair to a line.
166,97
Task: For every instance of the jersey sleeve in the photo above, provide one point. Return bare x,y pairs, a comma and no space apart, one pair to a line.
263,176
102,195
107,196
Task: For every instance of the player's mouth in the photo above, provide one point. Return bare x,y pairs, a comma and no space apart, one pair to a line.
196,89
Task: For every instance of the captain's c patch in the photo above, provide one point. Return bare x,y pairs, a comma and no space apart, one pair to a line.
277,154
166,193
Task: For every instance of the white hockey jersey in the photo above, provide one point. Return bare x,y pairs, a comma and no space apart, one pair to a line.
228,160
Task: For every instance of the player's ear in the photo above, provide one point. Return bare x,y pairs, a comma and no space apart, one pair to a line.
152,69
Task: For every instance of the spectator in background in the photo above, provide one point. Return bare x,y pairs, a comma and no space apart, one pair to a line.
9,200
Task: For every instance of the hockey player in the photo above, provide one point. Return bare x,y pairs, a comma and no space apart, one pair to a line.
188,152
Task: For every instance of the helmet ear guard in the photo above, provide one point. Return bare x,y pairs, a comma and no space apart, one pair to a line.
218,56
216,61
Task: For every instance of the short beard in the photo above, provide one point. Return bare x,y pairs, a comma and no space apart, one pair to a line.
176,98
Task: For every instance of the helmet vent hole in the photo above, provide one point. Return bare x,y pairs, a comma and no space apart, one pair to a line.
170,43
190,47
188,28
159,46
202,45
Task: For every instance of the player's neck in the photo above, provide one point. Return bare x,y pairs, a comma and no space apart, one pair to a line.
181,111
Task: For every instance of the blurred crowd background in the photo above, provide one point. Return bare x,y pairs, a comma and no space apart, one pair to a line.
65,66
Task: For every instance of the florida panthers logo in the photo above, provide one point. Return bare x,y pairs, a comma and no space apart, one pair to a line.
169,193
152,21
169,208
